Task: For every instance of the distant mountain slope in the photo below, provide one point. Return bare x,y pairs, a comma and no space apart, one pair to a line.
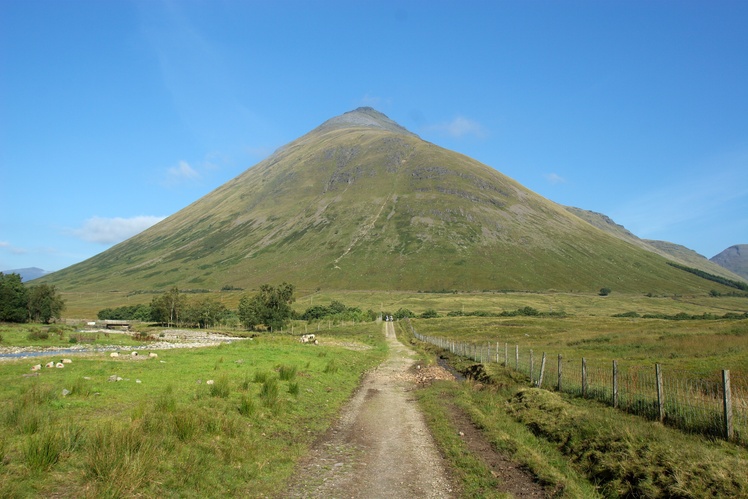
361,203
28,274
735,259
671,251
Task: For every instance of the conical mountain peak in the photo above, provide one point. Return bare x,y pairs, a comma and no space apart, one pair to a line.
366,117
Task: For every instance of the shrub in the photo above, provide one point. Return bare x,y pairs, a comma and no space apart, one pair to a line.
604,291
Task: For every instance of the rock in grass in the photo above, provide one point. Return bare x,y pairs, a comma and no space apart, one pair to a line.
65,392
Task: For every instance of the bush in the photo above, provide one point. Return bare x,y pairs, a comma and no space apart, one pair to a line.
403,313
429,314
604,291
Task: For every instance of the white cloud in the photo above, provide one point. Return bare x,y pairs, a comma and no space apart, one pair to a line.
459,127
554,178
4,244
181,173
113,230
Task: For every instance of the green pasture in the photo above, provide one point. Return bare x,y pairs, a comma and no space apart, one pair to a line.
163,430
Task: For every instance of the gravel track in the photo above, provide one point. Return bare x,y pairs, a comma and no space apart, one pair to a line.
380,446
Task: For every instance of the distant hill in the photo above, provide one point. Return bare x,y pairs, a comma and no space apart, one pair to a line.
734,258
362,203
675,252
28,274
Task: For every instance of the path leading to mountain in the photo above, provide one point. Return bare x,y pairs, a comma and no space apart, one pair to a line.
381,446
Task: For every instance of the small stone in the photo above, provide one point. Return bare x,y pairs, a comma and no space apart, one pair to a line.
65,392
209,382
138,381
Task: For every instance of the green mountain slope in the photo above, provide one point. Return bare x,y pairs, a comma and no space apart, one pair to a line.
675,252
361,203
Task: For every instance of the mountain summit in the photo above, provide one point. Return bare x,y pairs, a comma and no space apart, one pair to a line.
363,117
362,203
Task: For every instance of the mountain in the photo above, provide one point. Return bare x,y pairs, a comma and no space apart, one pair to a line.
735,259
362,203
27,274
675,252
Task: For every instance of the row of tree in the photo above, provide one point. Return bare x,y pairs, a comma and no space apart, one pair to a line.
21,303
269,308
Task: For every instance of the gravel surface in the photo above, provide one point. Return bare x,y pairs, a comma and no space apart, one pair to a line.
380,447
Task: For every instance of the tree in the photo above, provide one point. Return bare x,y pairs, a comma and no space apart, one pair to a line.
44,303
205,312
168,308
271,306
13,299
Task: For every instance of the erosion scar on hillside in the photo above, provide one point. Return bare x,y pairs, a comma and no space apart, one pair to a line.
380,447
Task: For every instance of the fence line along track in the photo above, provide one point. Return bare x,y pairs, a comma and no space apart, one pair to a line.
714,407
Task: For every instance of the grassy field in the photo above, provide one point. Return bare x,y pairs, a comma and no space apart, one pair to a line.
574,447
85,305
210,422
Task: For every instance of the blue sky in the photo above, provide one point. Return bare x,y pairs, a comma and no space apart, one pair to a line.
115,114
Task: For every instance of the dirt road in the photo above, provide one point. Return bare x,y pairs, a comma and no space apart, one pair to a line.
381,446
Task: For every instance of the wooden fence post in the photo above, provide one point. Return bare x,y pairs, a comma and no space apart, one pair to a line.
516,357
559,372
497,352
542,371
532,365
506,354
584,377
660,393
615,384
727,399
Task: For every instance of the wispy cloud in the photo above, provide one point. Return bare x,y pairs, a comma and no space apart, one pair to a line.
554,178
13,249
113,230
183,172
459,127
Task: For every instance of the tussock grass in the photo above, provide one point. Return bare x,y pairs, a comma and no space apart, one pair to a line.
220,387
42,451
286,373
246,406
119,458
269,392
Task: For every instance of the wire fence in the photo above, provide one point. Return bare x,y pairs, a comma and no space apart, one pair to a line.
716,406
